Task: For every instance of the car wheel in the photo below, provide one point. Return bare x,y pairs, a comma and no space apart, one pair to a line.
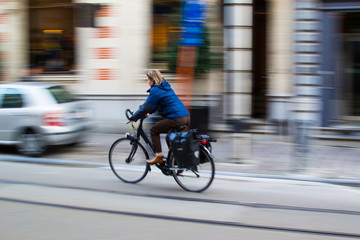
31,143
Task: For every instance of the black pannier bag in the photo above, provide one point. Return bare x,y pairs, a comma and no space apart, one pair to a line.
205,141
185,148
202,156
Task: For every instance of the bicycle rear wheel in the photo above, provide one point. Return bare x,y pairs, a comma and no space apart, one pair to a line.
127,160
196,179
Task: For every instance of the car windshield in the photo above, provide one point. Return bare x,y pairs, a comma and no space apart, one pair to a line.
61,95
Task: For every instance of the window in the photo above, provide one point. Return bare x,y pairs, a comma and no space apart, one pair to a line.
12,98
61,95
169,31
51,35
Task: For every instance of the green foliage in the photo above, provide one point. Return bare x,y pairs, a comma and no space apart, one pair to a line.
206,60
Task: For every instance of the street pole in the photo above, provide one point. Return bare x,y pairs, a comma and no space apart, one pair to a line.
185,73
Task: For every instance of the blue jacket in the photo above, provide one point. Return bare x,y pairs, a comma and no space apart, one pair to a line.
164,99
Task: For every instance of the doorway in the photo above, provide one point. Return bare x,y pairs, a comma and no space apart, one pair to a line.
340,66
259,86
351,56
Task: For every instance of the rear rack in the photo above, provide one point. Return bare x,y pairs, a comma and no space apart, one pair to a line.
205,137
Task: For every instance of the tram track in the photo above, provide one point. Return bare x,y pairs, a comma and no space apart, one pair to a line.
338,234
200,200
190,220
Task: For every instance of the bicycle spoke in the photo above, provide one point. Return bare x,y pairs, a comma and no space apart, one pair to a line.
128,160
194,180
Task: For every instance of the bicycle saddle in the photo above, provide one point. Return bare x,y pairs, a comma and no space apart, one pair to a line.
181,128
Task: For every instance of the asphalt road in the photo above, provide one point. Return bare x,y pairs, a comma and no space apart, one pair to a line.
40,201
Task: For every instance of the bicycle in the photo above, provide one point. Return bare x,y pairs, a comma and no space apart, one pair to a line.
127,158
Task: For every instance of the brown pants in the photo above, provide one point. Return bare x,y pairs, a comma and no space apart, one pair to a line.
164,126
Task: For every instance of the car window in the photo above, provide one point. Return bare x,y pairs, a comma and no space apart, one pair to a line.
12,98
61,95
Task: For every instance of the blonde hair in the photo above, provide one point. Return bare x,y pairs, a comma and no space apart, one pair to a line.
156,76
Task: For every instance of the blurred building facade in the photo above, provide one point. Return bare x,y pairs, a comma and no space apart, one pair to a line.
274,60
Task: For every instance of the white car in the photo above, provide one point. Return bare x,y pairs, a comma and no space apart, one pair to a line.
34,115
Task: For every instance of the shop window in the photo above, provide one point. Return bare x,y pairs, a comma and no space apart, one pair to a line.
51,31
167,31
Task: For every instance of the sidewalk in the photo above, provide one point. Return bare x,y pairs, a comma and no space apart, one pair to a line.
282,157
265,157
277,157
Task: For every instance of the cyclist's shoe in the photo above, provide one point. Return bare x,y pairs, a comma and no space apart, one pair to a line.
156,159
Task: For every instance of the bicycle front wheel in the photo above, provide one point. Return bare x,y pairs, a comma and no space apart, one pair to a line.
127,160
195,179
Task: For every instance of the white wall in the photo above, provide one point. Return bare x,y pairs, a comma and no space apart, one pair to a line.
128,24
13,40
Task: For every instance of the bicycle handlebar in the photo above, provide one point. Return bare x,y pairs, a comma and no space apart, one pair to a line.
127,112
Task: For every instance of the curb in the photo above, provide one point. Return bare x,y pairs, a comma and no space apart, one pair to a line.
10,158
346,182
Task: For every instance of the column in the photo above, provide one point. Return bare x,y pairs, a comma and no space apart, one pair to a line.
13,35
238,27
280,55
307,104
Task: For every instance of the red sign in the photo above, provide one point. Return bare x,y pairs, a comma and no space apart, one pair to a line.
104,74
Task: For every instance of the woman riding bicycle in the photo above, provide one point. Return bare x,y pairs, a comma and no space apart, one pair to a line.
164,99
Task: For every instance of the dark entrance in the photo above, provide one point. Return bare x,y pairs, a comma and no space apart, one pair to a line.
351,32
340,73
259,60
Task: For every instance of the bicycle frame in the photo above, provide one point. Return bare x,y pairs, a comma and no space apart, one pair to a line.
140,133
184,176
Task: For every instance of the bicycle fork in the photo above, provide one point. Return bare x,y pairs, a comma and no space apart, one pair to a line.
134,146
132,152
